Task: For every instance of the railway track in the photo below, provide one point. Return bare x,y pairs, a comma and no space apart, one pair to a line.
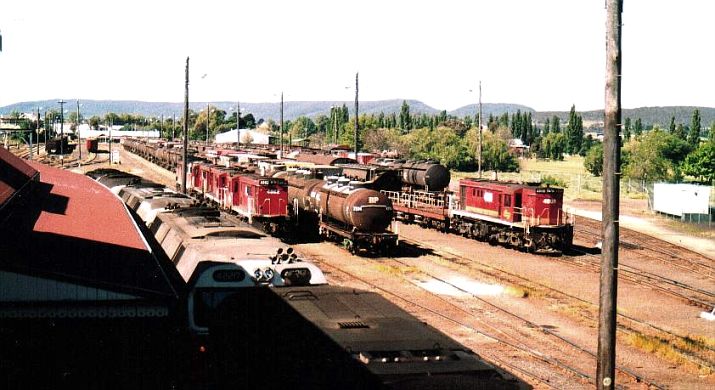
654,248
516,336
698,353
456,315
676,288
68,161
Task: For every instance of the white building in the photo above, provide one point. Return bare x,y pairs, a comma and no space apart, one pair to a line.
246,136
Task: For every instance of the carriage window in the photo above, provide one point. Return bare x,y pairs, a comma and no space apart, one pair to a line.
248,190
474,192
235,187
507,200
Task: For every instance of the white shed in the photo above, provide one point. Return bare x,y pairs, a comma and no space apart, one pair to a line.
681,199
247,136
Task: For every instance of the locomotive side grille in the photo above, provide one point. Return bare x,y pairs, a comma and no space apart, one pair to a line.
353,325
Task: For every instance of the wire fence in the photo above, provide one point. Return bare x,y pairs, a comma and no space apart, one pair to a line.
589,187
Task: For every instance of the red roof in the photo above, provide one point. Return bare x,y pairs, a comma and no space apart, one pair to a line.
91,212
69,228
14,175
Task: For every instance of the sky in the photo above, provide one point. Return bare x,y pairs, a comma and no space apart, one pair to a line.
545,54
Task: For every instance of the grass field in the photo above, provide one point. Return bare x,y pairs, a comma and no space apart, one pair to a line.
569,174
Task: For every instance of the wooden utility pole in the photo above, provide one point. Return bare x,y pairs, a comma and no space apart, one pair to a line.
62,131
281,124
38,132
238,124
607,313
479,123
79,136
110,123
356,117
186,129
208,121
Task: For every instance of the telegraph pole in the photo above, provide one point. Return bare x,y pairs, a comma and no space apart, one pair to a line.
79,135
238,124
356,116
38,132
281,124
110,123
208,121
62,131
479,123
607,313
186,129
46,129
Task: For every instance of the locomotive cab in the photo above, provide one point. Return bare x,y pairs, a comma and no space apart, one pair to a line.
543,206
259,197
212,282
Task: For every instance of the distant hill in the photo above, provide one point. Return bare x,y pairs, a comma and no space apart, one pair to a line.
649,115
294,109
494,109
291,109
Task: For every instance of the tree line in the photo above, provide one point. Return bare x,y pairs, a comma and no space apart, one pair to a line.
655,153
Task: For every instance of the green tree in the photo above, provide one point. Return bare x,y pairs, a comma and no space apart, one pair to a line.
215,121
383,139
711,135
302,127
594,160
671,128
504,120
680,132
627,129
547,127
574,132
587,144
694,135
648,159
638,128
94,121
405,118
553,146
555,124
496,156
701,163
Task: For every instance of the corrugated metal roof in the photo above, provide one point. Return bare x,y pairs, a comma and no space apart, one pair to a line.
71,229
15,174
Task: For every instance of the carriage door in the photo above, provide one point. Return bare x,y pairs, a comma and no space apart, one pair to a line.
518,210
506,207
250,203
221,189
236,193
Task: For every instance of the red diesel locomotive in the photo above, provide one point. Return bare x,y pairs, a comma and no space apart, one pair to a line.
255,198
524,216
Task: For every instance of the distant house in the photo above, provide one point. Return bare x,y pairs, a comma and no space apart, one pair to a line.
517,147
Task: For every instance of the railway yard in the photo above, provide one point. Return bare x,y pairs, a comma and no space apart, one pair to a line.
534,316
